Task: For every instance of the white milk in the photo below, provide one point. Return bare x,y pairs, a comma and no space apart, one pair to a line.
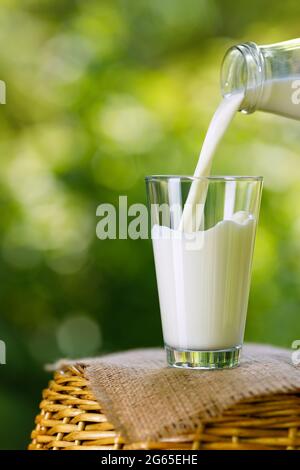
223,116
203,293
281,97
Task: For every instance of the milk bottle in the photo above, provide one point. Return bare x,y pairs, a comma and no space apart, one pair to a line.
268,76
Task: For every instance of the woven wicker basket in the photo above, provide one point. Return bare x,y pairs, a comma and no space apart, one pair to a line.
72,419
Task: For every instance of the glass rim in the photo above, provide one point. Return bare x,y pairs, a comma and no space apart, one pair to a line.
203,178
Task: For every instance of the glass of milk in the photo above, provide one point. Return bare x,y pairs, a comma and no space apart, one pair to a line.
203,264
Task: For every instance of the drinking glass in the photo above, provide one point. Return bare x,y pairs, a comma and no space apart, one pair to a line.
203,232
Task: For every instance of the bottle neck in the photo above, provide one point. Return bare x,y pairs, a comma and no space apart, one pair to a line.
243,71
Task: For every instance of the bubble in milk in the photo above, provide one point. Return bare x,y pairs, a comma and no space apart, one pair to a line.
241,217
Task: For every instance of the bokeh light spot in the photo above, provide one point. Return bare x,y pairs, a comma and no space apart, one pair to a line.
129,124
79,335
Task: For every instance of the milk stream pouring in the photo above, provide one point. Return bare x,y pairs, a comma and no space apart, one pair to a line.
192,217
253,77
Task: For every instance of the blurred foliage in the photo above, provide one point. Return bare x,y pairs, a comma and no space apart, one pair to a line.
99,94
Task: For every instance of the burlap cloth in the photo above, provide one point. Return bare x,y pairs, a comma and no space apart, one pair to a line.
144,399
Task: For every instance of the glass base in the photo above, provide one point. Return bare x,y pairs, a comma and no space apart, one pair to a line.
217,359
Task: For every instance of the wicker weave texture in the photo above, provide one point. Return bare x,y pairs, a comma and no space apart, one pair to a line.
70,418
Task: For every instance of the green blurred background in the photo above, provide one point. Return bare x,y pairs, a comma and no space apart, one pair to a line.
99,94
